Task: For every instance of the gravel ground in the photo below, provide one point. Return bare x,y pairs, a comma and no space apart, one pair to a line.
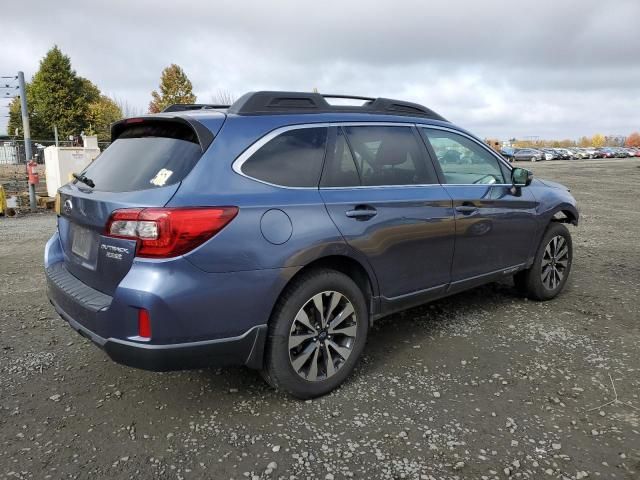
481,385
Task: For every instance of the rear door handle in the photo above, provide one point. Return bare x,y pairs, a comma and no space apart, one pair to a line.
466,209
362,212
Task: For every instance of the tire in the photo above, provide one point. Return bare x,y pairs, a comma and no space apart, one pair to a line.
531,282
289,365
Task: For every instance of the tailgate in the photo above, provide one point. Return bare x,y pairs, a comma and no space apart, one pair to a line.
143,167
97,260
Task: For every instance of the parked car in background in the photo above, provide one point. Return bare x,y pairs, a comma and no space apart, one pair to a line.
563,153
550,153
589,152
529,155
620,152
576,153
508,152
606,152
258,234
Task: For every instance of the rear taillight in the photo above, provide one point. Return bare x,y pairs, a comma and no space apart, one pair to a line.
168,232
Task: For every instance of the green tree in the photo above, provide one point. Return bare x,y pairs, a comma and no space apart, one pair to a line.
55,96
175,87
15,119
102,113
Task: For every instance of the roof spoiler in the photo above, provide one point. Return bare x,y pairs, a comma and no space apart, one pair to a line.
183,107
204,135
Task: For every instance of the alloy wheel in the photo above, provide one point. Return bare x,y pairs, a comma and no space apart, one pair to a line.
555,262
322,336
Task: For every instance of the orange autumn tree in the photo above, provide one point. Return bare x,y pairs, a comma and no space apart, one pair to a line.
633,140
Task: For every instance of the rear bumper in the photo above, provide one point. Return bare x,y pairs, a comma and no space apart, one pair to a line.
87,310
246,349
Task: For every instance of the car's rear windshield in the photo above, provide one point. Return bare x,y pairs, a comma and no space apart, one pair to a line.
146,156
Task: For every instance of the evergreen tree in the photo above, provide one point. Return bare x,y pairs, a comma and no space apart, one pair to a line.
175,87
55,96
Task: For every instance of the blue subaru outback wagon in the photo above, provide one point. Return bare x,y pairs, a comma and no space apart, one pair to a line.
272,232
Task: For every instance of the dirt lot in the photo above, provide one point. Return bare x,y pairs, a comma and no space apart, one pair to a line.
481,385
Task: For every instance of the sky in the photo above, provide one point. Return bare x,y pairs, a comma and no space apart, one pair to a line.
502,69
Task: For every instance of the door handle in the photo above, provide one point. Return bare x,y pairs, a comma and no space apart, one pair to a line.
466,209
362,212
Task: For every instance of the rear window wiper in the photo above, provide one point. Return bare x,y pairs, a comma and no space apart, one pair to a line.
84,179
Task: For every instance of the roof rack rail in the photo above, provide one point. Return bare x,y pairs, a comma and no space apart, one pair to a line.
183,107
270,102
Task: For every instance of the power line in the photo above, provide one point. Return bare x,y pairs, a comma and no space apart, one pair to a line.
9,83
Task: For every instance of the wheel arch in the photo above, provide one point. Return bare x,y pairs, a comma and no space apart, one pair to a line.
565,213
363,277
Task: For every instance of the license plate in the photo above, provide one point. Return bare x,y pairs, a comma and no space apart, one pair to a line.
81,244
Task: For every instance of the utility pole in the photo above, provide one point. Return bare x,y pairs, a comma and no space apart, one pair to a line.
27,135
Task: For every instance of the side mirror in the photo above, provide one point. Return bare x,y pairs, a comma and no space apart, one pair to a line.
521,177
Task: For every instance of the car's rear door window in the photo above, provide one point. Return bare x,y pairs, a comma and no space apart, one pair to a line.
292,159
339,167
389,155
145,156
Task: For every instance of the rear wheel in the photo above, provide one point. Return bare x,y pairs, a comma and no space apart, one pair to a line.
551,267
316,334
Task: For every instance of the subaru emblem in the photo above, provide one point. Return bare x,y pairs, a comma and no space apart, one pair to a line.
68,206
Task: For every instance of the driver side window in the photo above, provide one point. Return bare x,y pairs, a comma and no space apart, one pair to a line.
463,162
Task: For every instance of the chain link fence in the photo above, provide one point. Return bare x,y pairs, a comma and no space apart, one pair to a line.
12,152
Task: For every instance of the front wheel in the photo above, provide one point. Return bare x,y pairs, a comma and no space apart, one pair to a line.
551,267
316,334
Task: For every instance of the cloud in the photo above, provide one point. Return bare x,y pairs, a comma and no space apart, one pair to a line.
497,67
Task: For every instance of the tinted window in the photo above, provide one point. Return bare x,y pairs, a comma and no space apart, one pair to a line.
340,168
144,157
292,159
388,156
463,161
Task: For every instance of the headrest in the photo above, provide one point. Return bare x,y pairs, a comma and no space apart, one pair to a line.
389,154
